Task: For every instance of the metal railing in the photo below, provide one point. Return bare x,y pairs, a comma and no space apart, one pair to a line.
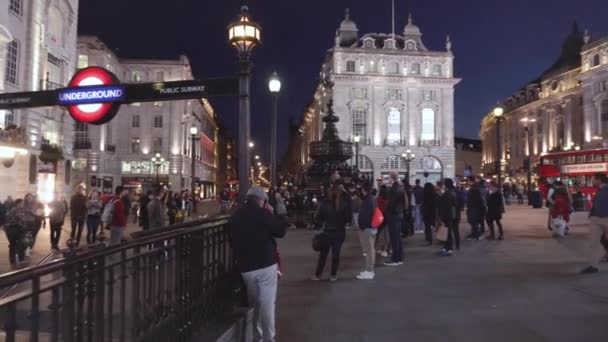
164,285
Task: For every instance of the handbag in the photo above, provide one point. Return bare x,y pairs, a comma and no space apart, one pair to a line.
319,240
377,218
441,233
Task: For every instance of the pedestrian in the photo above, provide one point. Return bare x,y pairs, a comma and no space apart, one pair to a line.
367,233
485,193
14,229
561,204
475,209
418,197
355,206
598,223
520,193
382,239
126,200
59,209
429,212
144,222
94,205
506,188
394,215
496,208
333,214
253,228
117,220
31,223
171,206
449,208
156,210
39,218
78,214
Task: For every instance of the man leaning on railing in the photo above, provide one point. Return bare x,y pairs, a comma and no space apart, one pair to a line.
253,228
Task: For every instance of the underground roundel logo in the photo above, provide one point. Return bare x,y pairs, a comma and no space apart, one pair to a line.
94,96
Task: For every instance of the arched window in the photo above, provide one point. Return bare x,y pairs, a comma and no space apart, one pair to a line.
560,133
428,125
364,163
360,123
350,66
393,125
415,69
596,60
394,163
604,117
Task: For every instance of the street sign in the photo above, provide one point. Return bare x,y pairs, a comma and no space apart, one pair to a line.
94,94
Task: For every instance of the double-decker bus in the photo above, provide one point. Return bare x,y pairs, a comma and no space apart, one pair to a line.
574,167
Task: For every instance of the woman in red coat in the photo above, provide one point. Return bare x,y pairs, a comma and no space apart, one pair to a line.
562,203
382,241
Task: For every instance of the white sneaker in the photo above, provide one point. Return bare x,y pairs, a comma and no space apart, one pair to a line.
364,254
366,275
28,252
384,254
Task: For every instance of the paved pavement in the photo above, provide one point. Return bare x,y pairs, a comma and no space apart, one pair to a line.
525,288
42,249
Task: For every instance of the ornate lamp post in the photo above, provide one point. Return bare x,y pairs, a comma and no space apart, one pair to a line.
409,158
527,122
274,85
194,138
356,139
244,36
498,111
157,162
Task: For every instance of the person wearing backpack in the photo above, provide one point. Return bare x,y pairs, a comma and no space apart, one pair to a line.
114,217
367,233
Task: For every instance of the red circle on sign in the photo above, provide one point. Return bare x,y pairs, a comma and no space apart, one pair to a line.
96,114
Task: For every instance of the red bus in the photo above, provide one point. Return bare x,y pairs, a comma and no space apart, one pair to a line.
574,168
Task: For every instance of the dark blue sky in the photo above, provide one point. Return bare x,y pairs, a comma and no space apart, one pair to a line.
499,45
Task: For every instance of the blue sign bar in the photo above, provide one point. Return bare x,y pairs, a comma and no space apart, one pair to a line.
94,94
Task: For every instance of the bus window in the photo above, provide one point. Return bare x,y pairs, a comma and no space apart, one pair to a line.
592,158
606,157
569,160
580,159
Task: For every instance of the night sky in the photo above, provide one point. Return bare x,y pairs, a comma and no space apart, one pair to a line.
498,45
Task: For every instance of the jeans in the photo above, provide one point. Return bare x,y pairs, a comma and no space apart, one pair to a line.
491,225
382,240
482,225
55,233
453,234
355,224
77,224
367,237
116,235
335,241
598,226
262,294
394,230
474,216
418,222
15,248
93,222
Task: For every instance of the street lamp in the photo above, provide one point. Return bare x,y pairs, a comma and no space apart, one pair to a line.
251,144
409,157
527,122
356,139
157,162
244,35
194,137
274,85
498,111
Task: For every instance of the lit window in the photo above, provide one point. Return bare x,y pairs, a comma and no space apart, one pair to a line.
428,124
415,69
436,70
350,66
136,77
7,118
394,125
158,121
12,62
83,61
14,7
135,145
135,122
359,123
373,67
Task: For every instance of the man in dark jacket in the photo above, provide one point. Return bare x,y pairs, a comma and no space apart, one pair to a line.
449,212
598,223
394,217
78,213
475,209
367,233
253,228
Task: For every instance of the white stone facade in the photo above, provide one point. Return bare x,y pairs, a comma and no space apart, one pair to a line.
395,95
594,79
120,152
37,52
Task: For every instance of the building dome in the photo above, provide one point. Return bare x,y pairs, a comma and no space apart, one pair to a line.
347,24
348,33
411,29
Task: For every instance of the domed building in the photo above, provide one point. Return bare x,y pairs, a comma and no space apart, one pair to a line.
393,95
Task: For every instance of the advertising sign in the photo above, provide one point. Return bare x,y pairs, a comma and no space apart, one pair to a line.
585,168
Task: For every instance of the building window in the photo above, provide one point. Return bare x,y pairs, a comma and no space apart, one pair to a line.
415,69
394,125
12,62
157,145
596,60
81,133
429,95
55,26
393,68
350,66
373,67
160,76
14,6
158,121
359,123
54,60
136,77
393,94
360,93
604,85
83,61
135,122
428,125
135,145
7,118
436,70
